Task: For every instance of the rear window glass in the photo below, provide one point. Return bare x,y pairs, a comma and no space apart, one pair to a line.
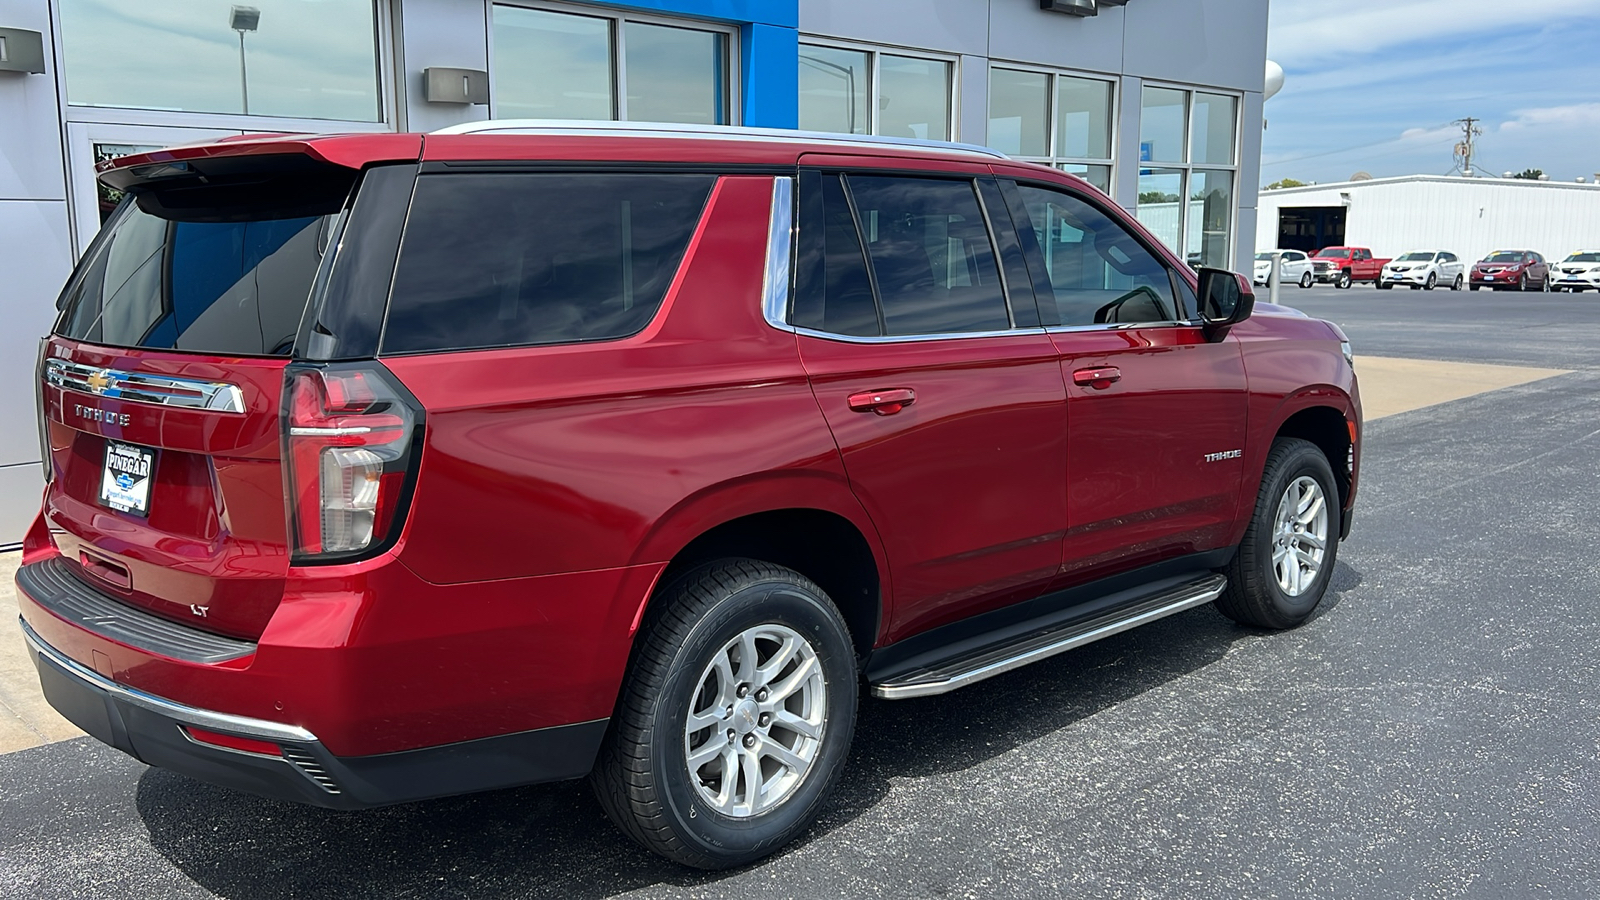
236,288
512,259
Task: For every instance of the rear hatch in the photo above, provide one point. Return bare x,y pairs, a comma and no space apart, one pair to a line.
164,380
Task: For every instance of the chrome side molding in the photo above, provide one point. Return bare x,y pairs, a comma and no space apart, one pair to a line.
142,387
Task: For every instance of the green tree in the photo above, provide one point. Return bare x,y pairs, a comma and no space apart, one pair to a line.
1530,174
1285,183
1157,197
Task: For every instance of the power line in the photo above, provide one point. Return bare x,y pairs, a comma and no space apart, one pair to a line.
1282,162
1464,150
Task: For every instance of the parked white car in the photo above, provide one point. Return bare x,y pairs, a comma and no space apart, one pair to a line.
1425,270
1578,272
1296,268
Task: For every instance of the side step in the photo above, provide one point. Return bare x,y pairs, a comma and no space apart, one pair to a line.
986,662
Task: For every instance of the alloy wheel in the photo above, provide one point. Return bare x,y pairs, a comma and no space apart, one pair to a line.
757,720
1300,536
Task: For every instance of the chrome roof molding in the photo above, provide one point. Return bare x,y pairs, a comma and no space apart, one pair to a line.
582,127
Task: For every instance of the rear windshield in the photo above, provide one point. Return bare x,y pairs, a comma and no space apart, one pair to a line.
514,259
234,288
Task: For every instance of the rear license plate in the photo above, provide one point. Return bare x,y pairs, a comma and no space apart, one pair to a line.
125,482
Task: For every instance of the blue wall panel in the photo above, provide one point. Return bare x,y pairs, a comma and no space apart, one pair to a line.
771,76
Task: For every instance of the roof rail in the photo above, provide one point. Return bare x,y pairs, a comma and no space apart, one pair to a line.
706,132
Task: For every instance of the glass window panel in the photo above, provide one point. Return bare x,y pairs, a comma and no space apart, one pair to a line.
302,60
1215,119
930,251
676,75
913,98
1099,176
551,65
1099,273
1083,118
484,263
1210,218
834,90
1019,110
1162,136
1160,191
236,287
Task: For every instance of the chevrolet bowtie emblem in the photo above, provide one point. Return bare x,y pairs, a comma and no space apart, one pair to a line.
98,381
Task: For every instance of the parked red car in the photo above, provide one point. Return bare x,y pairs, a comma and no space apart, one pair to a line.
1503,270
638,457
1343,266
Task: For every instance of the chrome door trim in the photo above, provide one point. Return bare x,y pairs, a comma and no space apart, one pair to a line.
909,338
142,387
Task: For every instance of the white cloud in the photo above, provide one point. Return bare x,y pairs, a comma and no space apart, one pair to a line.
1305,32
1576,115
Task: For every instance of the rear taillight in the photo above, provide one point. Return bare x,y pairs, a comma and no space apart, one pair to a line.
350,447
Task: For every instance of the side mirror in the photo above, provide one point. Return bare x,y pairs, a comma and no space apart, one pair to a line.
1226,299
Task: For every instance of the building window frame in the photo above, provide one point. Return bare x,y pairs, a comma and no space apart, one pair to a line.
1189,167
1054,159
391,116
618,20
874,53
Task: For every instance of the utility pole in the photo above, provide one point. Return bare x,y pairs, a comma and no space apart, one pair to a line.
1464,150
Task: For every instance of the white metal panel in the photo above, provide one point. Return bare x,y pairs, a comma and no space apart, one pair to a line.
38,258
21,491
1469,217
30,116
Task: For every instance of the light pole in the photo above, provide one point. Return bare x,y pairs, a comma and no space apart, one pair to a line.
242,19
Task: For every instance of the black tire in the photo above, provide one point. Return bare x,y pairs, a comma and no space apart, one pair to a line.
642,779
1343,281
1522,282
1456,286
1433,281
1253,595
1305,280
1385,286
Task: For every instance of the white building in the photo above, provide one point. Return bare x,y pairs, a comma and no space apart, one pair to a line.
1470,217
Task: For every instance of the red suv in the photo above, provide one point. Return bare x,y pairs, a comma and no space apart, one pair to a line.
1502,270
392,467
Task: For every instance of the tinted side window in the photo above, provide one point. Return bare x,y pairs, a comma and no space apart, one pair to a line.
836,292
931,255
511,259
1099,273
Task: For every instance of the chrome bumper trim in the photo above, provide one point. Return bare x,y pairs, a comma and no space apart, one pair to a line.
211,720
141,387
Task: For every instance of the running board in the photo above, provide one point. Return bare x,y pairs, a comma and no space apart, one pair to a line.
990,661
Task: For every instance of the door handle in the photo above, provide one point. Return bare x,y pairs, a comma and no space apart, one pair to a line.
1097,378
884,403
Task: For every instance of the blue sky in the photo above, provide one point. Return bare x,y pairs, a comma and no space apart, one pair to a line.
1372,86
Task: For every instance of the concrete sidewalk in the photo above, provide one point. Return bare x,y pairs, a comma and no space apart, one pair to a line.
1388,387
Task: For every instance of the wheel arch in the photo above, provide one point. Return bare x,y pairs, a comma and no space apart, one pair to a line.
806,522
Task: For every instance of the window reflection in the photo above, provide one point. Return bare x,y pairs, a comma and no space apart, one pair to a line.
1019,112
551,65
1161,127
1214,124
1210,218
302,60
913,98
1160,206
676,75
1083,118
834,90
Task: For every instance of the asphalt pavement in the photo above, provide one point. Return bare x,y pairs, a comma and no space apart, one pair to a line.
1432,732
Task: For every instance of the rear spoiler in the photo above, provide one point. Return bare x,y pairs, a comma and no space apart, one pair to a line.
281,176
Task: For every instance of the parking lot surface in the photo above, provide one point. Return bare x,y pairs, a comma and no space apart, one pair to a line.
1433,732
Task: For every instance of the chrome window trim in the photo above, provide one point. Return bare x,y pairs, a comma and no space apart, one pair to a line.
780,245
141,387
910,338
205,718
1117,326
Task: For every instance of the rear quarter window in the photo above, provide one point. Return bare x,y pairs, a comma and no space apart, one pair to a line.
516,259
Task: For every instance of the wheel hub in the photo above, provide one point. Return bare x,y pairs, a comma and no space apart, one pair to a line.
1300,536
756,721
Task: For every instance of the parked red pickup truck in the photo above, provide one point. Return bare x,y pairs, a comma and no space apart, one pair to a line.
1342,266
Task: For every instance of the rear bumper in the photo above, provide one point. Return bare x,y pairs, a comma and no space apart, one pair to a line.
154,730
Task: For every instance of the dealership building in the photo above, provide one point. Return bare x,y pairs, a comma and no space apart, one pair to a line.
1157,102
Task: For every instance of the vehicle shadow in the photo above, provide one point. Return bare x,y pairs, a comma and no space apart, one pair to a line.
553,840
